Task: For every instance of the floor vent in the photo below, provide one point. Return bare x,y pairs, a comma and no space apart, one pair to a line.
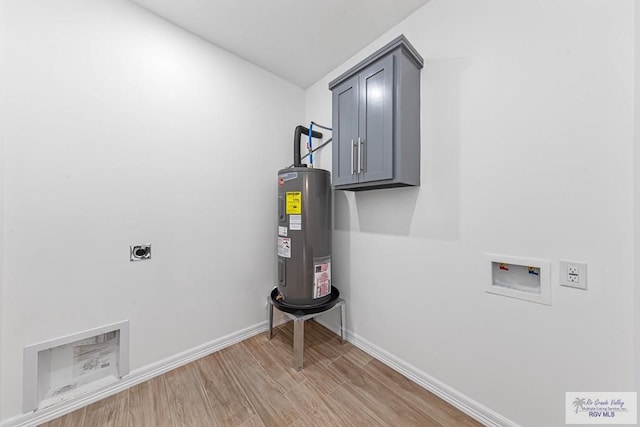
67,367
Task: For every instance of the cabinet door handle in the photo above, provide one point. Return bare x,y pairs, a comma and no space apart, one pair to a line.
353,169
360,146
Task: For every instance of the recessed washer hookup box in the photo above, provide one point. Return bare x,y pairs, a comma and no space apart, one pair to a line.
528,279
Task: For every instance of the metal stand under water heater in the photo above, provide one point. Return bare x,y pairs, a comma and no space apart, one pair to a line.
304,232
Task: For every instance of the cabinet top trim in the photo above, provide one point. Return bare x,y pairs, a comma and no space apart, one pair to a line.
399,42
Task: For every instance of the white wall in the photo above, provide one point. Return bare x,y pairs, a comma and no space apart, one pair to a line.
2,126
120,128
527,150
636,198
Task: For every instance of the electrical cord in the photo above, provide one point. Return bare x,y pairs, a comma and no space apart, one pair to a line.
316,149
320,126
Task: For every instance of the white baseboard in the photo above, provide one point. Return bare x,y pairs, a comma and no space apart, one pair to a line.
477,411
135,377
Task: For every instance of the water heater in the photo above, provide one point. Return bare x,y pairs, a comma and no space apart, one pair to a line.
304,232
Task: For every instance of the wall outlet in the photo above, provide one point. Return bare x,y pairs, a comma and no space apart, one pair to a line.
573,278
573,274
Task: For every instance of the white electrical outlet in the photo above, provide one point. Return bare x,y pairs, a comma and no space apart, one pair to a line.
573,274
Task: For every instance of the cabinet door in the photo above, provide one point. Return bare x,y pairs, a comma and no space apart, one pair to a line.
345,121
375,149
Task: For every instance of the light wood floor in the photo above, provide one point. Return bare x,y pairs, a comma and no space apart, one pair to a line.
252,384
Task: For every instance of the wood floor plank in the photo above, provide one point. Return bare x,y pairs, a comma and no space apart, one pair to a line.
321,330
149,404
110,412
380,399
52,423
356,356
268,401
317,369
312,405
350,410
282,341
315,346
73,419
187,399
323,341
279,368
229,402
329,338
318,341
254,421
322,375
418,397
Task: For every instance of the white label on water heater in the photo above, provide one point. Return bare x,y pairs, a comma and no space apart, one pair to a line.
282,231
322,278
284,247
295,222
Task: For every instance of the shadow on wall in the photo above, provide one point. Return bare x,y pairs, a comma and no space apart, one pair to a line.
431,211
387,211
341,270
343,204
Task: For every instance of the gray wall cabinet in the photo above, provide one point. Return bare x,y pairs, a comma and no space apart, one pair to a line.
376,120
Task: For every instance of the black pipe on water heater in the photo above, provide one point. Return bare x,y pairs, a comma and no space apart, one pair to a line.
300,130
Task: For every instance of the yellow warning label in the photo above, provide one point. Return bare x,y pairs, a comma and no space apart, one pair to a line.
294,203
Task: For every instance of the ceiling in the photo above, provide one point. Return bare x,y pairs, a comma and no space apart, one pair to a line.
299,40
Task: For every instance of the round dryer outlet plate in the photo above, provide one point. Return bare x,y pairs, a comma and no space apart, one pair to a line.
140,252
